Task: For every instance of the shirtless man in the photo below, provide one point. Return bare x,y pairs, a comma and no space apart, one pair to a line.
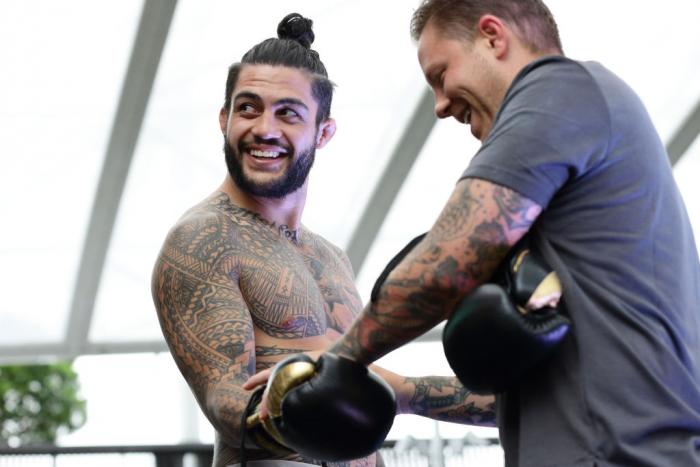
240,283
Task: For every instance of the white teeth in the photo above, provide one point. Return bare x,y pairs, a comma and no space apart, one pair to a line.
266,154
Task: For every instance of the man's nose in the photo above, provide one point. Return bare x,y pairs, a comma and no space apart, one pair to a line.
267,126
442,105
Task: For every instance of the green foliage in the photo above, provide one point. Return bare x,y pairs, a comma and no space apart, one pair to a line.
38,403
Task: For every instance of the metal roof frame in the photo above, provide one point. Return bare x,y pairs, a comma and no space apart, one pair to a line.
154,25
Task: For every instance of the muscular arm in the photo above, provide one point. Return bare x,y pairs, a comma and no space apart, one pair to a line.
475,230
444,398
441,398
205,320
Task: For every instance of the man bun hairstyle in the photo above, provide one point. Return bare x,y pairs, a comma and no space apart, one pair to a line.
297,28
531,19
291,48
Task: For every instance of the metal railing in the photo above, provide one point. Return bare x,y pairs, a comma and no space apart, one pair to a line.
199,455
408,452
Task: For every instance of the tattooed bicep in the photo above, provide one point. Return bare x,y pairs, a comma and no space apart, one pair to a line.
479,224
484,211
202,313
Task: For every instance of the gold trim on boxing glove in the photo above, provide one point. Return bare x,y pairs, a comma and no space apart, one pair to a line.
285,379
264,438
271,428
253,420
255,430
519,259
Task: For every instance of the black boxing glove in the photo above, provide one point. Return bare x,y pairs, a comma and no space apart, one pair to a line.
503,329
333,409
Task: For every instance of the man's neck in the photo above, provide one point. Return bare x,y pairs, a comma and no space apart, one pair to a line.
285,212
293,236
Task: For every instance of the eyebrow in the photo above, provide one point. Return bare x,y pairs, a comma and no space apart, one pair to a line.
283,101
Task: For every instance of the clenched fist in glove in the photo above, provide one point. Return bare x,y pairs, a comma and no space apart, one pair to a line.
333,409
503,329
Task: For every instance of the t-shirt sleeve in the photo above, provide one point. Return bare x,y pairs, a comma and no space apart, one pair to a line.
553,126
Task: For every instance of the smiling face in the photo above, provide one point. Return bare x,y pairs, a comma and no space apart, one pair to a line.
270,131
464,76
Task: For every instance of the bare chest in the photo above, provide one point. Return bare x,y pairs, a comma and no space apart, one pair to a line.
296,293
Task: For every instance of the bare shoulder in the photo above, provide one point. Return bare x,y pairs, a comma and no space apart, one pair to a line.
209,239
202,314
331,255
197,239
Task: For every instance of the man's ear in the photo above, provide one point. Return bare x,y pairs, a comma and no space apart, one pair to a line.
223,120
326,130
493,30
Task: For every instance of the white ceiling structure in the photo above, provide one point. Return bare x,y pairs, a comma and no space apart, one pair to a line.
108,113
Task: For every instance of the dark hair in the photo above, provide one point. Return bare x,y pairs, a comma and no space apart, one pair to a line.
531,19
291,48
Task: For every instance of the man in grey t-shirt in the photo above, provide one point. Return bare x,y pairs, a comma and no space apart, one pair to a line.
569,157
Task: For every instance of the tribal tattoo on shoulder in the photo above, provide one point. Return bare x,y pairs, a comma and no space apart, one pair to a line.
203,316
472,235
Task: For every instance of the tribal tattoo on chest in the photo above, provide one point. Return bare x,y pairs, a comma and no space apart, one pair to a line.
225,269
223,272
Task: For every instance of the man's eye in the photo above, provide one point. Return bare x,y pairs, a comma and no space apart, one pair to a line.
246,108
287,112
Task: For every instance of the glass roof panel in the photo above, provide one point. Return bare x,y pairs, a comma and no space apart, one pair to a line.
444,157
179,160
61,77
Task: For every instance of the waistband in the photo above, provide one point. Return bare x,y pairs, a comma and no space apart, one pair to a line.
274,463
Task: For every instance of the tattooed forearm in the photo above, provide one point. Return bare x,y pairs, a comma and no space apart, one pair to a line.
364,462
226,402
472,235
444,398
211,345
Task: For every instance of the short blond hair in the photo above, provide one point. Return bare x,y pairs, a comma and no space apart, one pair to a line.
531,19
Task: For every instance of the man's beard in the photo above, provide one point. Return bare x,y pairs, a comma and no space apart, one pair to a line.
289,182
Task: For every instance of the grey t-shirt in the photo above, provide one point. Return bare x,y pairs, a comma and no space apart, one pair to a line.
624,389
